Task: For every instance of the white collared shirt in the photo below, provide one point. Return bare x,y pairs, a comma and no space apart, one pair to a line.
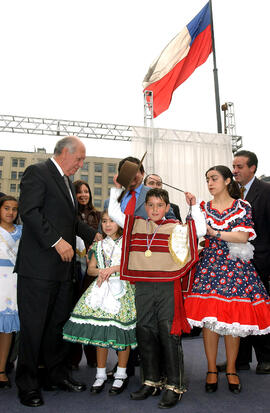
247,186
57,166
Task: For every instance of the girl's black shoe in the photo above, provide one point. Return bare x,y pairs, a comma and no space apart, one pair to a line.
211,387
117,390
4,384
234,388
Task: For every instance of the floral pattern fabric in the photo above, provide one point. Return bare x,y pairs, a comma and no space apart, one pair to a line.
88,325
227,295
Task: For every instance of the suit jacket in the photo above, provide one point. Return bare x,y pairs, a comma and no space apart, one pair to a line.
259,198
139,207
48,213
176,211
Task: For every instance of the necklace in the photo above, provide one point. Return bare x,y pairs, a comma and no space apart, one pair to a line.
107,259
148,252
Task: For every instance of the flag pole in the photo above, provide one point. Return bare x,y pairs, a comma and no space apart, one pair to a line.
215,71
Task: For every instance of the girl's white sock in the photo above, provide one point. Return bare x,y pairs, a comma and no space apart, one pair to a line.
120,373
101,373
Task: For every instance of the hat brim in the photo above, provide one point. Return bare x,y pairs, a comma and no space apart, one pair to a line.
128,172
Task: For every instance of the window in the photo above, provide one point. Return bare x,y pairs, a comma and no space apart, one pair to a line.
20,174
14,162
0,174
84,178
110,180
85,166
97,203
1,161
98,179
112,168
22,163
97,191
12,187
13,175
98,167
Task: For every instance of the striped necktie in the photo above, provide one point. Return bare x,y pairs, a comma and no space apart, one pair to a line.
242,191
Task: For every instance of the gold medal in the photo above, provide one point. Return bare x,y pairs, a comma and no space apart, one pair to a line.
148,253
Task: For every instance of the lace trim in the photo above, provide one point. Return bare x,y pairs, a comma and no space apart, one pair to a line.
234,329
246,229
107,323
231,216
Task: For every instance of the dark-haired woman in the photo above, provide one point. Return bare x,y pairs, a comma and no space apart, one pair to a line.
88,214
227,297
87,211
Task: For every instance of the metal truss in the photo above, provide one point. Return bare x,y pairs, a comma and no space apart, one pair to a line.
56,127
229,126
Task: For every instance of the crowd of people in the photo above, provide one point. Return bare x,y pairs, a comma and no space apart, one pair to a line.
131,278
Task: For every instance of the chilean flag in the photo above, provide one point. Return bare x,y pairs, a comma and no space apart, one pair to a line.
188,50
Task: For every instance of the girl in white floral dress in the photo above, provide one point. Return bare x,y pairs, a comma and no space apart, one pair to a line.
105,315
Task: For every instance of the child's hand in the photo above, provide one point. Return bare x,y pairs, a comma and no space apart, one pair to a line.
115,182
104,274
210,231
190,198
98,237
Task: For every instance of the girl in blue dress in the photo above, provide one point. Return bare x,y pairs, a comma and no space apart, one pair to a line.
10,234
227,297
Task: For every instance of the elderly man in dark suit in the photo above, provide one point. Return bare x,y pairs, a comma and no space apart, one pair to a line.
45,267
257,193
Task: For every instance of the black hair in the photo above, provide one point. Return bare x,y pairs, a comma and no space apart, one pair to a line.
233,187
158,193
77,186
252,158
131,159
5,198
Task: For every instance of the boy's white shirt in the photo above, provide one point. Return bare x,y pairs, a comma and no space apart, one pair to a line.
115,213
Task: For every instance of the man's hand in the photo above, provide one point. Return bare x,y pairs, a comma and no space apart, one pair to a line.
190,198
65,250
115,181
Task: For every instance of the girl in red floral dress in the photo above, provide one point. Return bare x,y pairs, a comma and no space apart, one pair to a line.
227,297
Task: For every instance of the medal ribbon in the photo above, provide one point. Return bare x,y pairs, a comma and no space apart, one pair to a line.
153,236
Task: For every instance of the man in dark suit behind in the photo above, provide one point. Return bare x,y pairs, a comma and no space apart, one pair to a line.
45,267
257,193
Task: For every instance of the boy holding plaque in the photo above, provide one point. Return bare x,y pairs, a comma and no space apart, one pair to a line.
157,254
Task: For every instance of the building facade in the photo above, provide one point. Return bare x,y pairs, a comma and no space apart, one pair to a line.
97,171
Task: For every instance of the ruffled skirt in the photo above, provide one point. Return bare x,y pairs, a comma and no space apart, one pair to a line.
229,316
88,325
